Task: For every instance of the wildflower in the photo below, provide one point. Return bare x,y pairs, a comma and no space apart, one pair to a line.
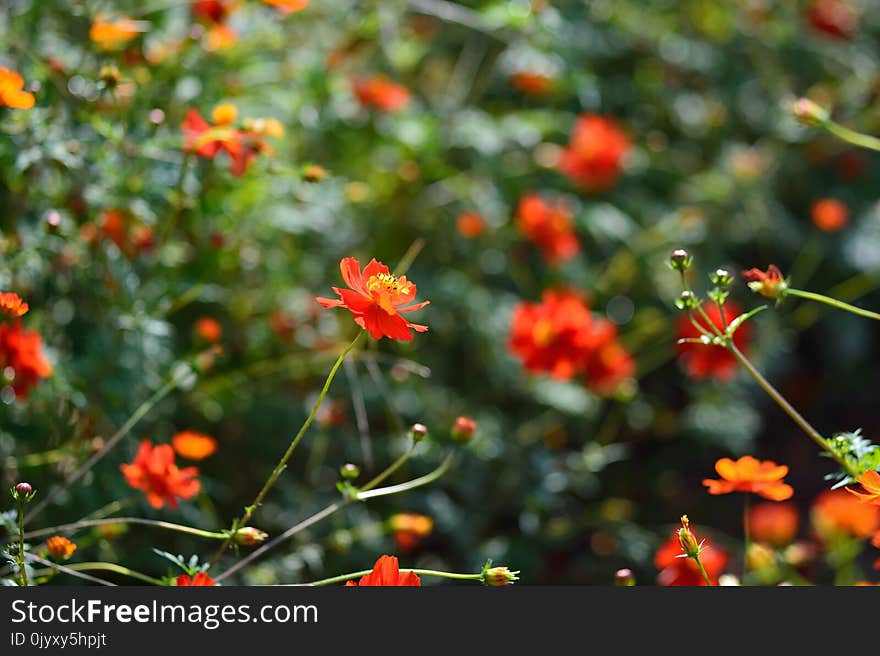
464,429
498,576
377,299
386,572
60,547
153,471
835,19
676,570
749,474
12,305
21,355
214,14
113,34
870,481
595,152
313,173
711,360
773,523
770,284
285,7
208,329
205,140
224,114
533,83
378,92
200,579
193,446
409,529
11,91
687,540
829,214
838,512
249,536
470,225
550,226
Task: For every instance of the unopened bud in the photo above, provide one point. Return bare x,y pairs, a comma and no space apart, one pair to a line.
624,578
313,173
349,471
418,432
721,278
249,536
680,260
23,492
689,545
464,429
809,113
687,300
498,576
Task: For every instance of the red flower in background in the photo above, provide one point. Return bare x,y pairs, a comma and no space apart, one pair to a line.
206,140
830,214
870,481
378,92
377,300
208,329
773,523
533,83
676,571
409,529
214,14
22,351
470,225
153,472
608,363
748,474
709,360
193,446
836,19
200,579
837,512
12,305
549,225
386,572
595,152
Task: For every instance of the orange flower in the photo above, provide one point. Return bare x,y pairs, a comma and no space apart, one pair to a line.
154,472
549,225
193,446
113,34
12,305
679,571
208,329
749,474
409,529
533,83
470,225
709,360
387,573
378,92
595,152
22,352
285,7
836,19
770,284
870,481
377,298
830,214
837,512
11,94
60,547
773,523
200,579
205,140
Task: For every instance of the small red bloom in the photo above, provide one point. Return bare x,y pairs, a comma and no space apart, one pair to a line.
194,446
409,529
533,83
12,305
549,225
748,474
205,140
470,225
830,214
709,360
378,92
22,352
595,152
377,300
676,571
836,19
208,329
386,572
770,284
153,471
200,579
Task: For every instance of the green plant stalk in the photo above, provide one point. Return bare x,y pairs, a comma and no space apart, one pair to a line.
85,523
421,572
113,567
833,302
703,570
851,136
21,567
394,466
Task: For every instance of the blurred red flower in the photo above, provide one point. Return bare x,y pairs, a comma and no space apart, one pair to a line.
386,572
836,19
378,92
12,305
22,352
676,571
470,225
533,83
153,472
193,446
595,152
206,140
829,214
748,474
208,329
709,360
773,523
11,91
377,299
608,363
549,225
837,512
200,579
409,529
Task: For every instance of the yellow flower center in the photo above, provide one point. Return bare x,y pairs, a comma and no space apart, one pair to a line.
387,283
543,332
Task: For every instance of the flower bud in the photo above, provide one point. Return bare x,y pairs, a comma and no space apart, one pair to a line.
498,576
680,260
687,540
624,578
809,113
418,432
313,173
349,471
464,429
721,278
687,300
23,492
249,536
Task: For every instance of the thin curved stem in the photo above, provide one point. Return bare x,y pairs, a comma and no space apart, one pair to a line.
833,302
851,136
421,572
393,467
106,567
68,570
85,523
703,571
409,485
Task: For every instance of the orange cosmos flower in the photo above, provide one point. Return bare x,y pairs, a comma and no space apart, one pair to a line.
377,299
533,83
200,579
773,523
205,140
386,572
22,352
870,481
11,93
154,472
550,226
12,305
830,214
749,474
770,284
678,571
470,225
208,329
595,152
409,529
194,446
113,34
835,19
60,547
709,360
285,7
837,512
378,92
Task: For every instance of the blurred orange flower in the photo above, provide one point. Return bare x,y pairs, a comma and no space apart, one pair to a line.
837,512
112,34
470,225
533,83
194,446
200,579
748,474
594,155
153,472
60,547
409,529
22,352
12,305
378,92
386,572
710,360
377,299
11,91
208,329
830,214
678,571
287,6
773,523
549,225
870,481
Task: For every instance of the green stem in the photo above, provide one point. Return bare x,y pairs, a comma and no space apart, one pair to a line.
393,467
363,495
85,523
703,571
833,302
422,572
851,136
113,567
21,566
